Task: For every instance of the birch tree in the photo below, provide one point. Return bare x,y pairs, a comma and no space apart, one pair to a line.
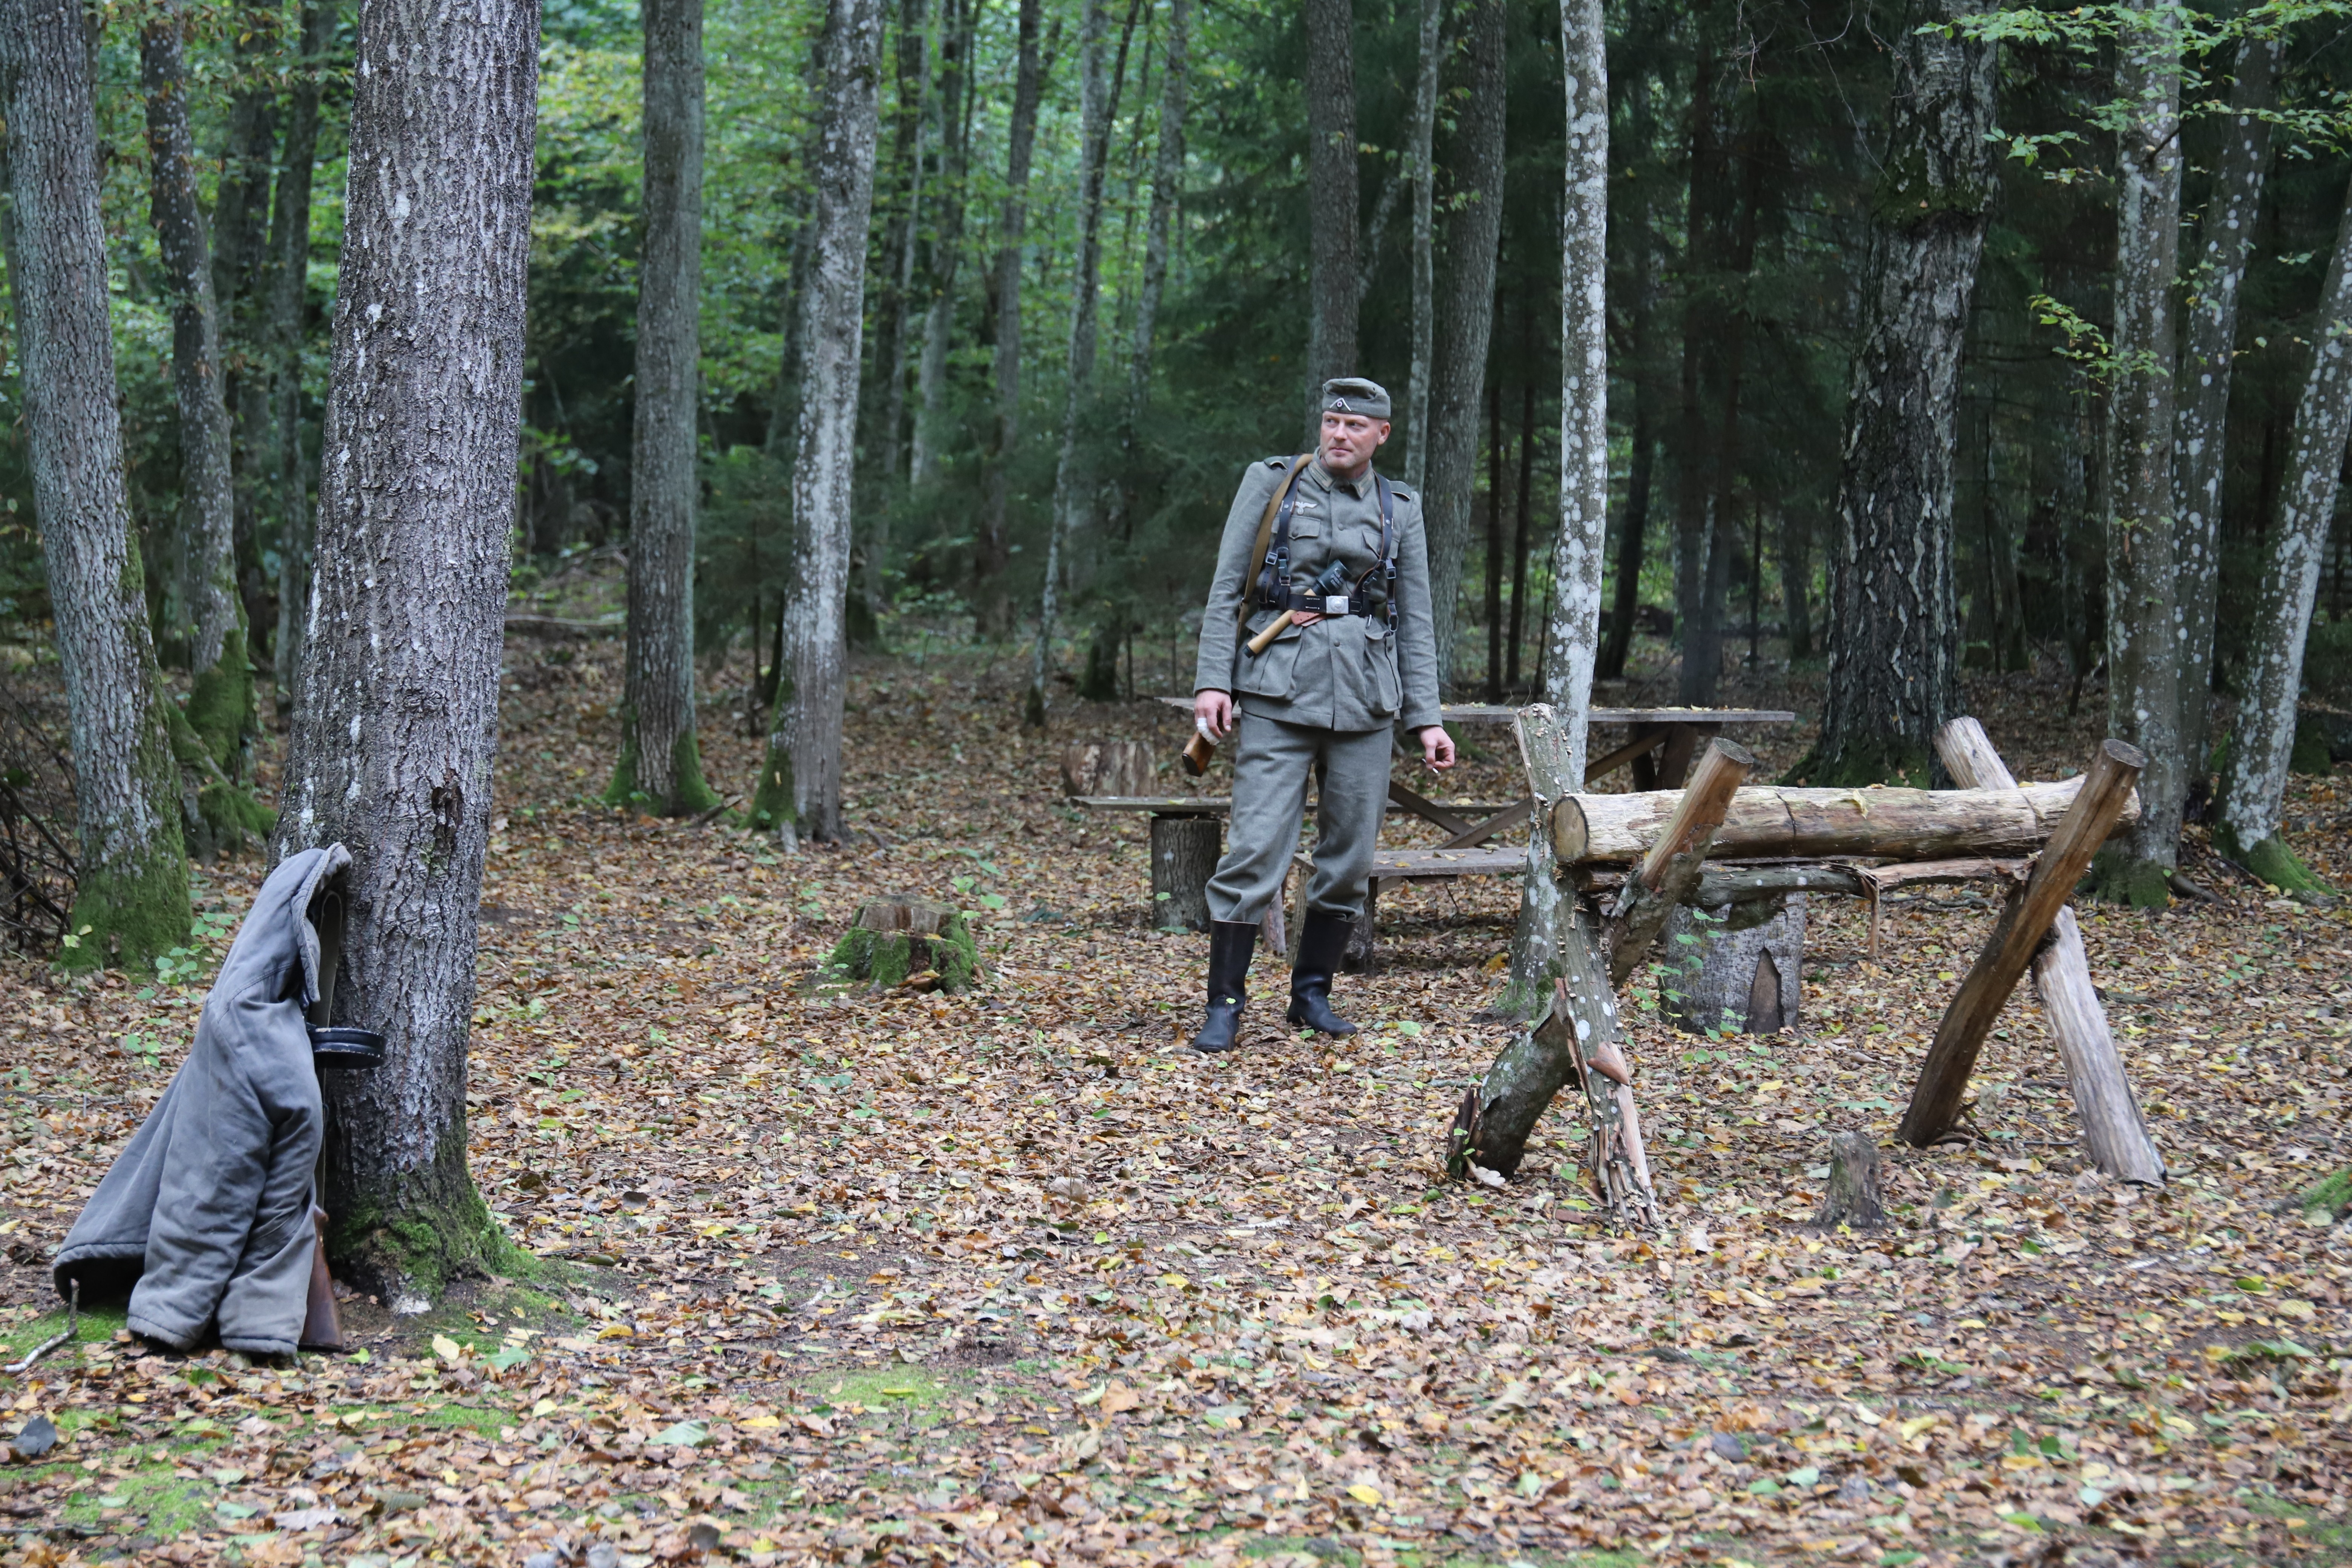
1466,319
2200,421
2254,782
1893,679
993,550
1331,195
661,762
2143,589
1546,910
798,793
393,743
220,700
1421,148
1095,108
130,896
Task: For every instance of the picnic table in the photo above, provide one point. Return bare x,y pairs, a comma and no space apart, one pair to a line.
1187,837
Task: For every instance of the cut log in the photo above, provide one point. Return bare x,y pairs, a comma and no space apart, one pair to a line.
2097,806
1184,854
1669,872
1767,820
1721,885
1363,951
905,938
1743,972
1106,767
1852,1199
2114,1134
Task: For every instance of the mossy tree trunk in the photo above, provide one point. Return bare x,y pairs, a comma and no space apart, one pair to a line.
130,901
220,701
660,767
417,509
1892,623
993,547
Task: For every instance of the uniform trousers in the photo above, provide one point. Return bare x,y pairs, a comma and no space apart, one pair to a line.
1271,763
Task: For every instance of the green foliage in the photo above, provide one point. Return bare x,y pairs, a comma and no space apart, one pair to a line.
884,959
2332,1196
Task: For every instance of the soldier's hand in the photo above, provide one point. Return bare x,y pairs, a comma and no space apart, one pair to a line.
1212,713
1438,748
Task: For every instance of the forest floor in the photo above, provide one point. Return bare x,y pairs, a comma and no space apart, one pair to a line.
1011,1278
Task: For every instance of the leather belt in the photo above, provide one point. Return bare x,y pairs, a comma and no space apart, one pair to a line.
1335,605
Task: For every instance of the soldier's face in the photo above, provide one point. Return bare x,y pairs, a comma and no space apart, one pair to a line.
1349,441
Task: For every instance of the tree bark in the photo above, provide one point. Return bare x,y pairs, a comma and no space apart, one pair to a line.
1893,623
799,793
1422,146
957,19
660,766
1332,196
2201,418
2255,780
1573,634
1669,872
220,700
1473,235
900,244
1634,228
2142,591
2114,1134
1775,820
1551,748
417,511
2101,804
1851,1198
1522,520
131,898
1741,971
1097,104
993,550
240,217
1796,581
289,271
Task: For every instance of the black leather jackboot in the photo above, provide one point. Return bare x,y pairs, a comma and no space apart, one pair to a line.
1231,942
1321,944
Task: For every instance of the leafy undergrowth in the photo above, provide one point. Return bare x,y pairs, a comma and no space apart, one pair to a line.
827,1275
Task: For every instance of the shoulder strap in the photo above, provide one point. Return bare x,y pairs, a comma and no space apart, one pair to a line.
1387,566
1261,553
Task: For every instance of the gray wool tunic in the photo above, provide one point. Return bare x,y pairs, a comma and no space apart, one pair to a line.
208,1208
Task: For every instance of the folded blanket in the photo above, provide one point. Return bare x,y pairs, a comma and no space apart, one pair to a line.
208,1208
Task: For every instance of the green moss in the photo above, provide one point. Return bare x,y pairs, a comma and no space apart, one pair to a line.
2116,878
220,711
436,1230
2332,1196
1875,760
772,806
2272,861
884,959
690,796
129,911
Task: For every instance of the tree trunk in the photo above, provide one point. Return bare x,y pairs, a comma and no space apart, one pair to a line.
897,305
1796,580
1892,623
957,19
994,549
1473,235
1494,605
240,216
2143,603
1851,1198
1332,199
131,898
290,266
1572,635
2255,781
1741,970
799,793
1421,139
1522,500
660,767
2201,416
1708,198
1184,852
1167,182
1702,662
417,511
1633,531
1097,103
220,700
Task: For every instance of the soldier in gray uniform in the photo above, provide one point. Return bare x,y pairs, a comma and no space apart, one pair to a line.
1356,657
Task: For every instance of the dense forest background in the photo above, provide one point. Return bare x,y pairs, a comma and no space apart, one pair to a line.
1746,145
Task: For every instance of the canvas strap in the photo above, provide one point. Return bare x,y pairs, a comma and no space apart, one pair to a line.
1265,551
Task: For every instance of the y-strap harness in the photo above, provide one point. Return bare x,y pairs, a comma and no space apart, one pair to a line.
1273,590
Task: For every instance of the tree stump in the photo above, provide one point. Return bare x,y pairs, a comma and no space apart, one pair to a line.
1741,971
1851,1198
905,938
1363,952
1106,767
1184,854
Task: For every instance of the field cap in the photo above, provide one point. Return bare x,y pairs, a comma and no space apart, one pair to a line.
1354,395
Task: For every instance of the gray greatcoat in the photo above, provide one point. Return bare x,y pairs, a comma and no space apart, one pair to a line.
1321,700
208,1208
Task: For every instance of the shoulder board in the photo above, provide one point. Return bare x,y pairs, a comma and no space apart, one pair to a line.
1400,492
1277,462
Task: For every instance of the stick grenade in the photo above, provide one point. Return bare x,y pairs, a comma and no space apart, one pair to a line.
1197,752
1327,583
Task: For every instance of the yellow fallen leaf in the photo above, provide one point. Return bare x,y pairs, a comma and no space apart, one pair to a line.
2301,1311
617,1331
1918,1423
447,1349
1866,1416
1369,1496
759,1421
